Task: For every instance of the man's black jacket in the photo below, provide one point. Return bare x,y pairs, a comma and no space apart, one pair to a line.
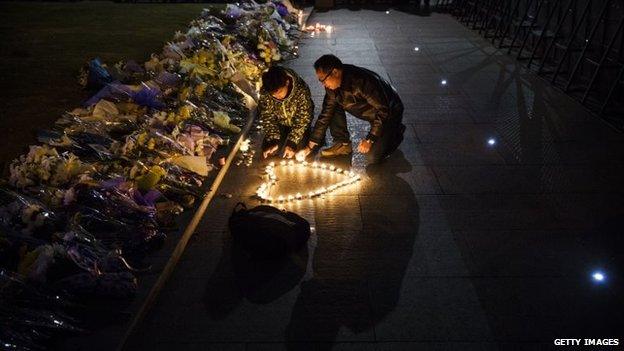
365,95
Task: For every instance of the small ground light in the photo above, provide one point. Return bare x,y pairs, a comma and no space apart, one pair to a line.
443,82
416,48
598,277
491,141
387,12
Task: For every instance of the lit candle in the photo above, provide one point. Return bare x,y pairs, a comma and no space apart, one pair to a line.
263,190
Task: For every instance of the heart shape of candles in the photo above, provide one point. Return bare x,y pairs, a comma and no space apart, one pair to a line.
264,188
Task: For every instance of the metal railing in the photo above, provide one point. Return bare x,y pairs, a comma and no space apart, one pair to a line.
577,45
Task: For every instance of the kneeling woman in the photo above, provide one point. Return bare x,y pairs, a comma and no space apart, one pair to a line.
286,111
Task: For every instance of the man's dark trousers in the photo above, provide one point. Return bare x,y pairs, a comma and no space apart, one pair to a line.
389,140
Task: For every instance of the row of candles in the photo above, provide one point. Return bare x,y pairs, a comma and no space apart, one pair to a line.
313,28
319,28
264,188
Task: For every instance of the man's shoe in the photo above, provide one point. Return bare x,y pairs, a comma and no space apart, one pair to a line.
337,149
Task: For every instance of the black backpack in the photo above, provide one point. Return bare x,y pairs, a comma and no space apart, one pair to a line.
268,232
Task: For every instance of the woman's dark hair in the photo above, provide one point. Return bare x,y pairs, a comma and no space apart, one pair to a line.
326,63
273,79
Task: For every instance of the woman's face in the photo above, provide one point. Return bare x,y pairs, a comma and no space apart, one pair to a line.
281,93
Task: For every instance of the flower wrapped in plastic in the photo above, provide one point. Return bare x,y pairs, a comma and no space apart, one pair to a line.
199,141
44,165
117,220
268,50
119,119
234,12
88,146
30,314
143,94
95,75
26,215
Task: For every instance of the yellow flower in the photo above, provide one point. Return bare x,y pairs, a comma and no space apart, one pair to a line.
141,138
202,57
184,94
200,89
171,118
184,112
226,40
151,178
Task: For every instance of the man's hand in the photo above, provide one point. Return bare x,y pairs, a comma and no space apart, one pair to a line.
365,146
288,152
303,153
270,151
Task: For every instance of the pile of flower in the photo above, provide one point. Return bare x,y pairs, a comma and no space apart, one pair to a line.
82,208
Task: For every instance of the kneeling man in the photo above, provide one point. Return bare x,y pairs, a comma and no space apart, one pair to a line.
365,95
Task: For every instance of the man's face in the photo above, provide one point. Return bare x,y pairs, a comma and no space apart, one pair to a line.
330,80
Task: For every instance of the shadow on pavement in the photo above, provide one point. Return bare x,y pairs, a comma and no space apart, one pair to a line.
239,277
358,276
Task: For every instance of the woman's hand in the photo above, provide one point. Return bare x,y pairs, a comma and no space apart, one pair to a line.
288,152
270,151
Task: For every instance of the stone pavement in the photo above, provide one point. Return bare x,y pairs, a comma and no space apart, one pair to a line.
481,233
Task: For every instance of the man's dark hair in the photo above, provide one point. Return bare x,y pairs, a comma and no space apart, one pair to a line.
326,63
273,79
